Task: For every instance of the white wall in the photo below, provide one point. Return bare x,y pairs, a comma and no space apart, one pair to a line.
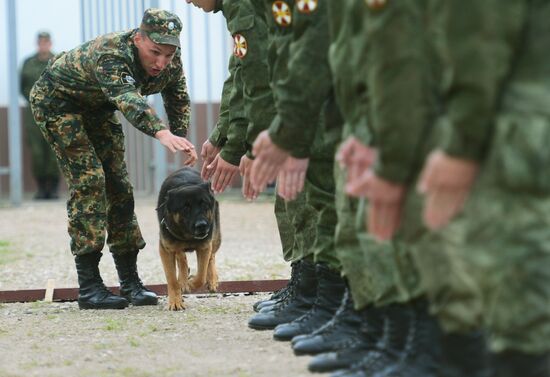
62,19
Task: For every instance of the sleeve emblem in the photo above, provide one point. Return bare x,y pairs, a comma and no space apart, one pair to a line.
376,4
240,46
127,79
281,13
306,6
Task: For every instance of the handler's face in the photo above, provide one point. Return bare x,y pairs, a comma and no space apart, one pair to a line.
154,57
205,5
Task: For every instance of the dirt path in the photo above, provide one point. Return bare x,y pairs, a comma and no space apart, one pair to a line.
210,338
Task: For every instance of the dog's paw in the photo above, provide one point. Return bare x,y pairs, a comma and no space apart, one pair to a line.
186,288
175,304
212,286
195,284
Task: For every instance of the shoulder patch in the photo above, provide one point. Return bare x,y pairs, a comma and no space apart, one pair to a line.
127,79
282,13
240,46
307,6
376,4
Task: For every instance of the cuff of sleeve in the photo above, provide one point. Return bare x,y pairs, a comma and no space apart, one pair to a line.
154,128
216,138
179,131
287,141
232,158
459,146
395,173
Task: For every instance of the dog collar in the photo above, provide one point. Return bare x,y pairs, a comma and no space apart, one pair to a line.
172,233
176,236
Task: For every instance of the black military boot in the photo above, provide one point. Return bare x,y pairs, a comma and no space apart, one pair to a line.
391,347
92,293
41,189
131,286
341,332
367,335
421,356
330,290
464,355
281,293
51,186
298,301
516,363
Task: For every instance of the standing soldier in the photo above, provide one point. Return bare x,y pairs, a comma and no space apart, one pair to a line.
74,104
247,108
44,163
307,125
496,102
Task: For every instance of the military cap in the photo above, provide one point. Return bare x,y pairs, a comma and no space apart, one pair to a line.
161,26
43,34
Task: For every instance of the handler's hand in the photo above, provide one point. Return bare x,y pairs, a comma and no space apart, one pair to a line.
224,172
268,160
245,168
176,143
290,180
356,157
385,203
208,153
446,181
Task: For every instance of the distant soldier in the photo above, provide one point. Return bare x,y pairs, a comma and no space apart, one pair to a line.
44,163
74,104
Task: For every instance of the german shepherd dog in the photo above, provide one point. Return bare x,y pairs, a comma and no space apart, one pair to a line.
189,221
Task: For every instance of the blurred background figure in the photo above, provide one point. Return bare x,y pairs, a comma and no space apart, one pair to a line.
44,164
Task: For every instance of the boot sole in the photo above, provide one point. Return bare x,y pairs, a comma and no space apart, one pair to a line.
86,305
259,327
148,302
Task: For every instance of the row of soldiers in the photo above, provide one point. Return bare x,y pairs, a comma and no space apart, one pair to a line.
408,140
409,143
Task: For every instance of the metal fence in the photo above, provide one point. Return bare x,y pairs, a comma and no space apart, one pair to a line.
147,161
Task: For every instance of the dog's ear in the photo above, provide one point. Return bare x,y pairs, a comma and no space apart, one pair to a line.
207,186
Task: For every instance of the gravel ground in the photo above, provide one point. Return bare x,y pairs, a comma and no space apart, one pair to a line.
210,338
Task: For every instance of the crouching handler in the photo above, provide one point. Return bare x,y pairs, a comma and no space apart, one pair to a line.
74,104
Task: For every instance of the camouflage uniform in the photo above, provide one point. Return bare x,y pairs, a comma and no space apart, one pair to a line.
375,72
308,121
74,104
44,163
496,101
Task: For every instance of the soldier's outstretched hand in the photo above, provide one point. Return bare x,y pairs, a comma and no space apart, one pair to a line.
446,182
177,143
268,160
355,157
385,203
245,168
224,172
208,153
291,178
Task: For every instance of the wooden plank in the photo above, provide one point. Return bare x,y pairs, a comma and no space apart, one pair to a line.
71,294
50,286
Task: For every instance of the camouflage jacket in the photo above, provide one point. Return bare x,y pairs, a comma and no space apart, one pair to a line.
30,72
300,95
105,74
247,105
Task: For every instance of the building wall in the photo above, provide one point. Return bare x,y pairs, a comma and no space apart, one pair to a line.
138,151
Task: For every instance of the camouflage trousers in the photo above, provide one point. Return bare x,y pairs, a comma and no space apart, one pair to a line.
378,273
496,257
44,162
90,153
307,224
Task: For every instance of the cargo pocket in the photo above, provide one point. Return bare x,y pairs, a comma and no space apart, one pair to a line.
520,157
117,133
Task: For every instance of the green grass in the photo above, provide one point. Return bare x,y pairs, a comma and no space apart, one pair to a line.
112,324
7,253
